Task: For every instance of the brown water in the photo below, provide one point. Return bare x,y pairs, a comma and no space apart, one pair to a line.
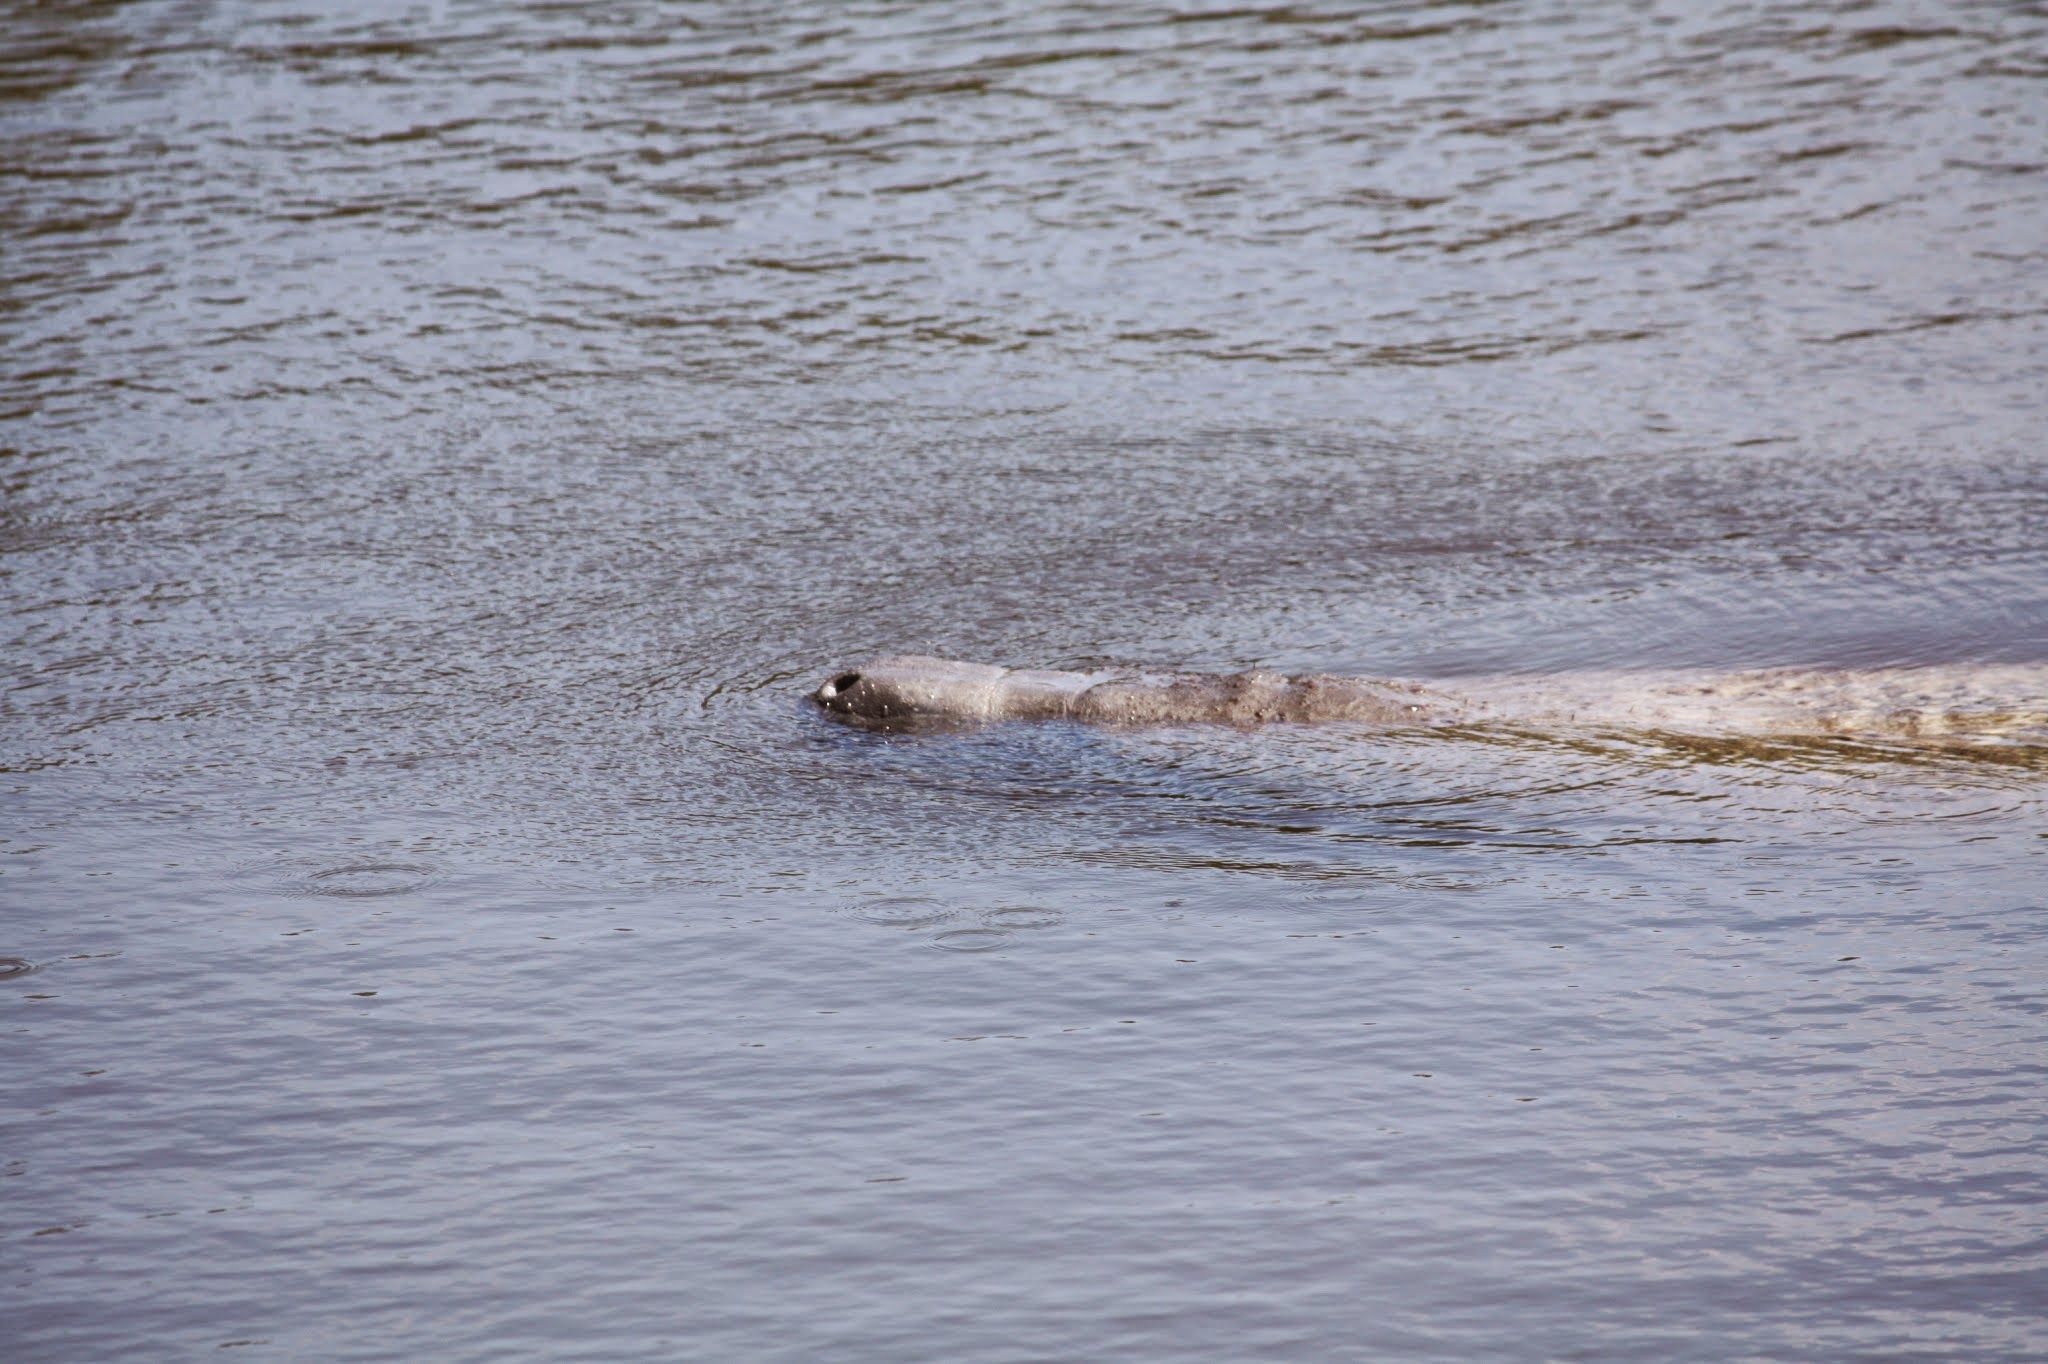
440,445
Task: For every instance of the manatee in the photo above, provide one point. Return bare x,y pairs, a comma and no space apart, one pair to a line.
1961,704
907,690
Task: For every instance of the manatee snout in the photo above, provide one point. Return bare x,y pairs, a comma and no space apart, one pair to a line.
835,690
844,695
895,692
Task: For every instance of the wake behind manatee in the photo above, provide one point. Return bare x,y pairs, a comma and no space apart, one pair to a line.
1948,705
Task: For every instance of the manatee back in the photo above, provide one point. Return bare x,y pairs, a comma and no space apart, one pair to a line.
1259,697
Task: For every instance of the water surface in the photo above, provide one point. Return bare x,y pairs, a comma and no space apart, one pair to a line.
442,443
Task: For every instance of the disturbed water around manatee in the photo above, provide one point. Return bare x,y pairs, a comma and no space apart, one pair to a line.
441,446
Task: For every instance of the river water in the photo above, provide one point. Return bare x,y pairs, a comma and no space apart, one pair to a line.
442,443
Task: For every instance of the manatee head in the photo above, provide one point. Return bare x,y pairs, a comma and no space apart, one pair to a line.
910,691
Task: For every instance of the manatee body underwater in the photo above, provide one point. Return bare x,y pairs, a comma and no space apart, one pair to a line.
1987,705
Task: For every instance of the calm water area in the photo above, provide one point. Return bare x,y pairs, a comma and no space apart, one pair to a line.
442,443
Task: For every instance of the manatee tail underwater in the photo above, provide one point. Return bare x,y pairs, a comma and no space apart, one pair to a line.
1954,705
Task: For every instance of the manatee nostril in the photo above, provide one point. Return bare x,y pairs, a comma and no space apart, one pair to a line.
843,683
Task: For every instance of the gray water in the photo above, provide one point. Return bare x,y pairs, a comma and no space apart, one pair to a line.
442,443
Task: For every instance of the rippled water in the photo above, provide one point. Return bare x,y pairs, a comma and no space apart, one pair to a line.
441,444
